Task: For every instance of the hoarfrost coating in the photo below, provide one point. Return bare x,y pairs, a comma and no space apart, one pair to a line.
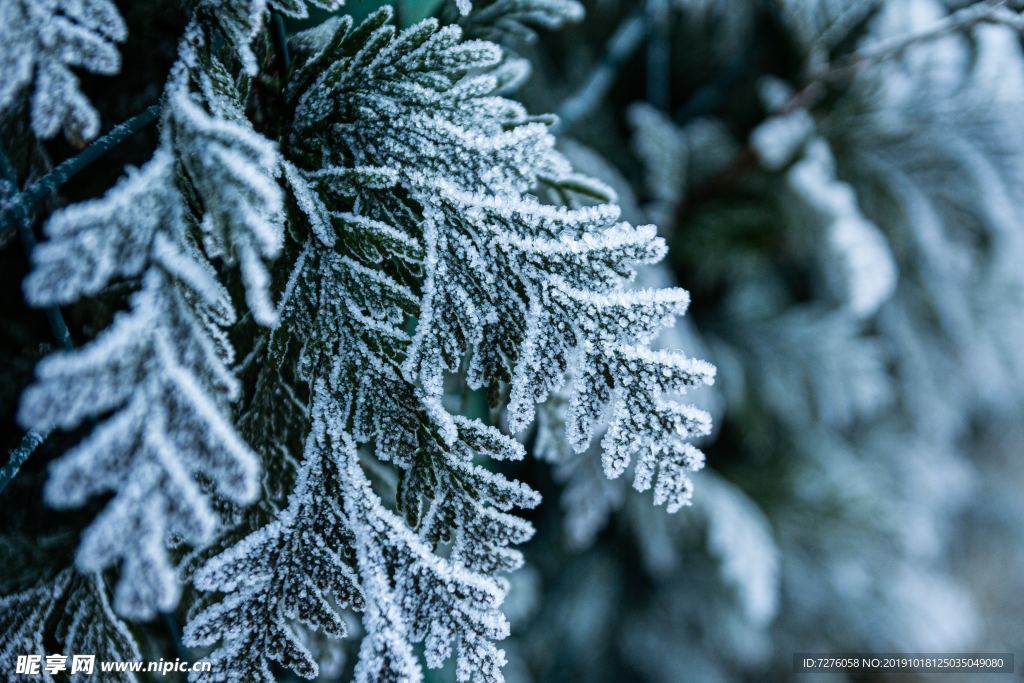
396,232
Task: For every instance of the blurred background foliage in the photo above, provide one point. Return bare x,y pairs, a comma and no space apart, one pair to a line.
841,186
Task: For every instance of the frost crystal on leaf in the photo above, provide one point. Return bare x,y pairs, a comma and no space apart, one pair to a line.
527,290
240,21
233,170
413,595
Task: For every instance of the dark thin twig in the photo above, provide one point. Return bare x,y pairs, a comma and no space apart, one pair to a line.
658,54
279,34
25,201
622,45
53,315
29,443
23,225
32,439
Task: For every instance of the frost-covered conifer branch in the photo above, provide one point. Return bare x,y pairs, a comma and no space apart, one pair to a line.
33,439
294,569
41,41
418,245
75,609
161,371
423,253
550,273
500,20
19,455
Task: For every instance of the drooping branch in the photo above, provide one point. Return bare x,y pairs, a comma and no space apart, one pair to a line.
998,13
815,86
